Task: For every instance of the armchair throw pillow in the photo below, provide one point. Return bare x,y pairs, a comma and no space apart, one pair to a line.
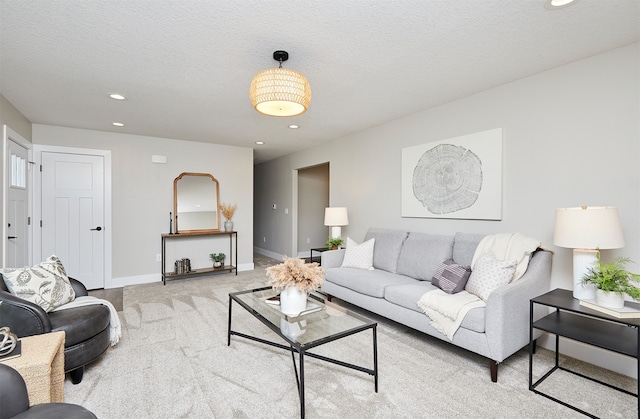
358,255
451,277
45,284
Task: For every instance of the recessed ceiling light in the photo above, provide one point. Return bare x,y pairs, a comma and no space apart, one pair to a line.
260,142
118,124
557,4
293,126
117,96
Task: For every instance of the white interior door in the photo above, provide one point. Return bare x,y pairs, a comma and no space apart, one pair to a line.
17,218
73,219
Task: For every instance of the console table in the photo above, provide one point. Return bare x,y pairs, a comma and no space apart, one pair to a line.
573,321
202,271
41,365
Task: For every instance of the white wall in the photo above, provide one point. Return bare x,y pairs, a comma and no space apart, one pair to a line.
571,138
142,195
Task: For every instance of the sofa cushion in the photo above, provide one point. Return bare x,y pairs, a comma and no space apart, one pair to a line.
451,277
407,296
358,255
489,274
372,283
422,253
45,284
387,248
464,246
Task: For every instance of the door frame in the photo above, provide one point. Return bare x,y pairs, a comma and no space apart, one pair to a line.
37,201
10,135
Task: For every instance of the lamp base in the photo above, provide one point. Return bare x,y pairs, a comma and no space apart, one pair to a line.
583,259
336,232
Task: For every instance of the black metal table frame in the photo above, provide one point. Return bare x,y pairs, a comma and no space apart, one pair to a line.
577,314
317,250
302,350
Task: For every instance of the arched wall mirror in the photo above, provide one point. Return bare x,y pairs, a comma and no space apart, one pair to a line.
196,201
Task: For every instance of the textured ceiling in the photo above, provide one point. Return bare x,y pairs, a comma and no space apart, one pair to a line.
186,66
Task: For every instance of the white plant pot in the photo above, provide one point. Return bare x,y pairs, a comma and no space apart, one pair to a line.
609,299
293,301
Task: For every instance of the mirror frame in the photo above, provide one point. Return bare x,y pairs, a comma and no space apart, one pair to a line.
175,203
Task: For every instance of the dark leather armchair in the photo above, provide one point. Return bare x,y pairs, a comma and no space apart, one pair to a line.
14,401
86,328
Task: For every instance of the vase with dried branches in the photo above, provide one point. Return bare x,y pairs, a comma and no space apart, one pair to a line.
295,279
228,211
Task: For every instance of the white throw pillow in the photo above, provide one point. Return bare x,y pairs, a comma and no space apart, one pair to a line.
45,284
489,274
359,255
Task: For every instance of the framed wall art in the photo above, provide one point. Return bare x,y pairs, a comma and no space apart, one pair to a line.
459,177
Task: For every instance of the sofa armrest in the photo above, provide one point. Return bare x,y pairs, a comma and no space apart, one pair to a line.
23,317
507,313
332,258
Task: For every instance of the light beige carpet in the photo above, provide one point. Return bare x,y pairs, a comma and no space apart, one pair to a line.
173,362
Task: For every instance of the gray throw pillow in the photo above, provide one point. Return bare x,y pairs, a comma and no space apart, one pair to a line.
451,277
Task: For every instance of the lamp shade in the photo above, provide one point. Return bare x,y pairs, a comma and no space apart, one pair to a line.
280,92
588,228
336,216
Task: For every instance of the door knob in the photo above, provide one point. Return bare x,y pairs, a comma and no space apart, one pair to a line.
12,237
97,229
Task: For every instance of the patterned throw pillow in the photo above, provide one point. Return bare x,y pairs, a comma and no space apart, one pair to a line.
358,255
451,277
46,284
489,274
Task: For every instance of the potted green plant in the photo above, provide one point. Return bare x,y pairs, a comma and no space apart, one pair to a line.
612,281
334,243
218,259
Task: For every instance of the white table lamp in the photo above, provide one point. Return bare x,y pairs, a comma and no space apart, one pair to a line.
336,217
586,230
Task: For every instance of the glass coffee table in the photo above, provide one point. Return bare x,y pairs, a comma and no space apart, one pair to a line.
321,323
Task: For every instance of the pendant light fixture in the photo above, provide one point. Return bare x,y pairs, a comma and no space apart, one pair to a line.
280,91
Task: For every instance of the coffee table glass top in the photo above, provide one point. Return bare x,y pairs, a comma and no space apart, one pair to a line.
321,321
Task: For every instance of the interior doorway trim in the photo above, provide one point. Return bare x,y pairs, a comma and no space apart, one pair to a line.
10,135
37,202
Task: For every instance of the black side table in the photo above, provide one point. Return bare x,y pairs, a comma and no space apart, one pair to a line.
319,258
573,321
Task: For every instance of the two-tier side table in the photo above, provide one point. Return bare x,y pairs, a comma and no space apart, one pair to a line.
571,320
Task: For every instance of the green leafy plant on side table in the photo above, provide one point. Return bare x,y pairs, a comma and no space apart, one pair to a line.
612,278
334,243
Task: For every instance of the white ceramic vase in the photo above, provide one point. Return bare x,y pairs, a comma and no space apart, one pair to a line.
293,301
228,225
609,299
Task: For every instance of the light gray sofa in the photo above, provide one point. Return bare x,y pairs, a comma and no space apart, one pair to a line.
404,264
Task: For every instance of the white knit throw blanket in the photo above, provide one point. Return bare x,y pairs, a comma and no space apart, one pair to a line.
115,328
447,311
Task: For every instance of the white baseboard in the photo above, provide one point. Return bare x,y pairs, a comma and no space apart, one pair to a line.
135,280
268,253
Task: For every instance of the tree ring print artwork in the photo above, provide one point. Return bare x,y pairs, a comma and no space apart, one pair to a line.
447,178
456,178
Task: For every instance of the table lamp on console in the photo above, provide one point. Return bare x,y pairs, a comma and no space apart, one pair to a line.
587,230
